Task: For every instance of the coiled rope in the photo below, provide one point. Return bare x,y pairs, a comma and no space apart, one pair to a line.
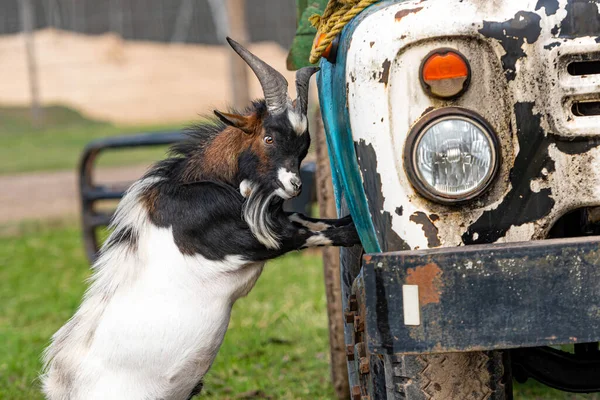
336,15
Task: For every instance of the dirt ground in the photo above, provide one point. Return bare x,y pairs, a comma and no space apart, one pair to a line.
48,195
127,82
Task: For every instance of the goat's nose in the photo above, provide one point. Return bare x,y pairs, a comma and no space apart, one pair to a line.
297,184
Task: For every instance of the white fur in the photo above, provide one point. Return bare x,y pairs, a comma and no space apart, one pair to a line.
151,322
286,178
317,240
258,219
299,122
246,187
313,226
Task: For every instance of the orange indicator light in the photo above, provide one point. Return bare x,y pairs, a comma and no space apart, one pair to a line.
445,73
318,40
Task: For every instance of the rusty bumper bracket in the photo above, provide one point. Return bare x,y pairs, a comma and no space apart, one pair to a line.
484,297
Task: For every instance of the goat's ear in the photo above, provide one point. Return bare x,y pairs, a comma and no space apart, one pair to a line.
237,121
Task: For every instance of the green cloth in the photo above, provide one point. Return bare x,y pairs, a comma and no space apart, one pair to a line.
305,33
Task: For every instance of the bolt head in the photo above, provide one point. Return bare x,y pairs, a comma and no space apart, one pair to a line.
349,317
353,303
359,325
350,352
356,395
364,365
361,350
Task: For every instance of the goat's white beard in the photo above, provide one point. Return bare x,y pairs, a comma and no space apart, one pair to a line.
256,214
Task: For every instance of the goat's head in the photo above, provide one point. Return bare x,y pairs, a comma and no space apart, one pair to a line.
277,137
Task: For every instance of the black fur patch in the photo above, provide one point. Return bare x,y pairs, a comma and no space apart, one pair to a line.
196,390
122,236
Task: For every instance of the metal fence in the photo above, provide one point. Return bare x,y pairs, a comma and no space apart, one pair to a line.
188,21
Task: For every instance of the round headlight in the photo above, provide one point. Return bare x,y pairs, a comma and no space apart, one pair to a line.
451,155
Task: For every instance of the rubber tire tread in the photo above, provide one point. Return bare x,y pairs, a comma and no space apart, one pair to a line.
452,376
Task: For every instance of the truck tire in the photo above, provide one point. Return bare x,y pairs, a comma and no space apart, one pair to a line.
466,376
478,375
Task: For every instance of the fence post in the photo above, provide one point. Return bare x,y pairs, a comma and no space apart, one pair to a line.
238,68
28,24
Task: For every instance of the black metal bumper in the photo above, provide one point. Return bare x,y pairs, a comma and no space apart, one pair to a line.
482,297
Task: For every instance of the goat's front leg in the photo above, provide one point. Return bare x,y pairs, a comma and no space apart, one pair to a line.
317,224
302,232
343,236
295,236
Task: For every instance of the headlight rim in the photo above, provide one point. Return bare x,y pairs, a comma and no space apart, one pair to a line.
413,139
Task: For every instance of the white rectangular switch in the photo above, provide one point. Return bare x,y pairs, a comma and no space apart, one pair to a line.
410,303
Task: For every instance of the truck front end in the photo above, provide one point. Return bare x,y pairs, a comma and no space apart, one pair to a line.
464,138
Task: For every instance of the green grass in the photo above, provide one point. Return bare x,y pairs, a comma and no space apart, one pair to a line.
58,143
276,346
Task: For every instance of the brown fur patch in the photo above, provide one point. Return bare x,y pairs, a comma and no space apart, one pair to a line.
220,157
149,199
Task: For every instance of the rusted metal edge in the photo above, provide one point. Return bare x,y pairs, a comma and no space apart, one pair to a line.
485,297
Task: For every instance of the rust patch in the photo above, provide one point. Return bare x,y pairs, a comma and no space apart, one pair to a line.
403,13
428,278
430,230
428,109
385,74
371,44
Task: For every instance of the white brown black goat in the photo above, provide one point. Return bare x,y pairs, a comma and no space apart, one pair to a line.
189,239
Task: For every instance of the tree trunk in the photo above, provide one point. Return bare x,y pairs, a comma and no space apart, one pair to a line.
331,266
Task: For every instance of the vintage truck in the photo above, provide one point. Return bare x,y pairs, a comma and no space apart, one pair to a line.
464,139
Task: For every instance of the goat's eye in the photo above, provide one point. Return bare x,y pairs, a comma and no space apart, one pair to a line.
268,139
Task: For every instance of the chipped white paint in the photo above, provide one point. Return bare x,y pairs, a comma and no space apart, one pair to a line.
382,114
410,305
517,233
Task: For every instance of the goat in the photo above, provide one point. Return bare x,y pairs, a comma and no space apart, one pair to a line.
190,238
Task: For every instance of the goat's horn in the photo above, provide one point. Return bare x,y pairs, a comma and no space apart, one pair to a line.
274,85
302,80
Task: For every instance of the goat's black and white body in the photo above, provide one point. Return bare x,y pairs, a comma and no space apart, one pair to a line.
188,240
153,318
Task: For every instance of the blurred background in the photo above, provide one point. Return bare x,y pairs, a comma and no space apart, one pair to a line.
75,71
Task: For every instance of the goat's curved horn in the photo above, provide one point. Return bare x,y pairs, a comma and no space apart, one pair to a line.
274,85
302,81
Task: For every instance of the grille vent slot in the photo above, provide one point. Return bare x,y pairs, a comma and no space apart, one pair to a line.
585,108
579,68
